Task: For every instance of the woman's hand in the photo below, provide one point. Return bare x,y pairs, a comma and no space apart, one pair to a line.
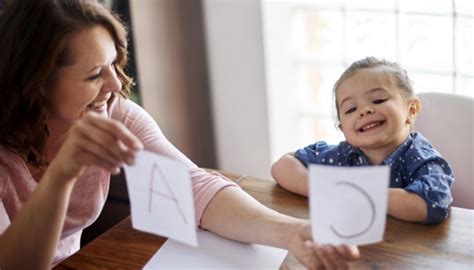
315,256
95,141
333,257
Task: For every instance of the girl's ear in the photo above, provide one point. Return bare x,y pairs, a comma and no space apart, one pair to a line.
414,106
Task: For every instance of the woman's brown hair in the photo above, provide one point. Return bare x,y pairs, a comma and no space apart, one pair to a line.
34,34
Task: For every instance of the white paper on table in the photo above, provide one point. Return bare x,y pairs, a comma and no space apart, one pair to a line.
348,205
161,197
215,252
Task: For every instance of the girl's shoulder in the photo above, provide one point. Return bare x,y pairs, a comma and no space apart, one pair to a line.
321,152
421,153
422,147
323,146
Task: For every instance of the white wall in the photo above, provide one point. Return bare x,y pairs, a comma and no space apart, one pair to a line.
173,79
237,71
159,65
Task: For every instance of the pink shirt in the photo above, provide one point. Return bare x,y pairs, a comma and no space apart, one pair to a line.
90,190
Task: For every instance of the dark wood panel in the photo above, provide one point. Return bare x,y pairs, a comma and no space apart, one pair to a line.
116,208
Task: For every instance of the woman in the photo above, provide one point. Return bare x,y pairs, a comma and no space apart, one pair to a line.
66,126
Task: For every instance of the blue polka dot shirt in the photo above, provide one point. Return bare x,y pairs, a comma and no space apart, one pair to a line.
414,166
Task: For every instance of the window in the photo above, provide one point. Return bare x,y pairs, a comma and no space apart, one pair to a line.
308,44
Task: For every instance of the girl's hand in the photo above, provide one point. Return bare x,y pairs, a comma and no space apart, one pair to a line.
95,141
315,256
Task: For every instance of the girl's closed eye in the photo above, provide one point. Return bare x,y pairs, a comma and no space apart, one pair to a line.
350,110
379,100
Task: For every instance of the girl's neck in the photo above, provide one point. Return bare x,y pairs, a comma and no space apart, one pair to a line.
376,155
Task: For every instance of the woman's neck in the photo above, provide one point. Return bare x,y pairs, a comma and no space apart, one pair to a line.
57,134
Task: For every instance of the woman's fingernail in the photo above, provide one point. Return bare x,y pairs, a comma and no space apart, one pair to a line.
138,146
116,170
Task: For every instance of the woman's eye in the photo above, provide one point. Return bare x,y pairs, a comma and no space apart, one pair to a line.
94,77
350,110
378,101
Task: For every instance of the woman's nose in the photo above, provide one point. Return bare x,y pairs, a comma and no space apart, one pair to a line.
113,83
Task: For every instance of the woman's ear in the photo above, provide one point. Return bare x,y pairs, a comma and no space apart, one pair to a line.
414,106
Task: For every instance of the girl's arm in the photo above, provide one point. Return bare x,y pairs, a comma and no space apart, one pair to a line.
406,205
291,174
234,214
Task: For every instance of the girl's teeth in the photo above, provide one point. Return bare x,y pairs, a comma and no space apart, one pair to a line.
370,126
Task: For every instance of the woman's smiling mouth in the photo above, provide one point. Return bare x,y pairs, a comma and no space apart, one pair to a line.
98,105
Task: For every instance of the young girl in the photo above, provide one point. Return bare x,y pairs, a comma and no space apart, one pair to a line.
376,108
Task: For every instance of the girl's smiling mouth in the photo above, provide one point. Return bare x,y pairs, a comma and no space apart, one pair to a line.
371,126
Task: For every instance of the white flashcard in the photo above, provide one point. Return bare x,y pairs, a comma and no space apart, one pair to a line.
215,252
161,197
348,205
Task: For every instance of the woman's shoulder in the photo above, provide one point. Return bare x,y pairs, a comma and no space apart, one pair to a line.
129,113
8,159
139,122
9,163
3,177
122,107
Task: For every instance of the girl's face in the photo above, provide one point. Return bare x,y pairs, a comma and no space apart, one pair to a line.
373,113
89,81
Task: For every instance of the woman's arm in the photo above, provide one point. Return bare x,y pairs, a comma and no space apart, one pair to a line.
30,240
228,210
220,217
291,174
234,214
406,205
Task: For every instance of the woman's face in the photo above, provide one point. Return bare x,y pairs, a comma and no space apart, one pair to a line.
89,81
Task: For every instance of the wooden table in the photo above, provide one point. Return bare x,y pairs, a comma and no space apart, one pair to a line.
449,245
